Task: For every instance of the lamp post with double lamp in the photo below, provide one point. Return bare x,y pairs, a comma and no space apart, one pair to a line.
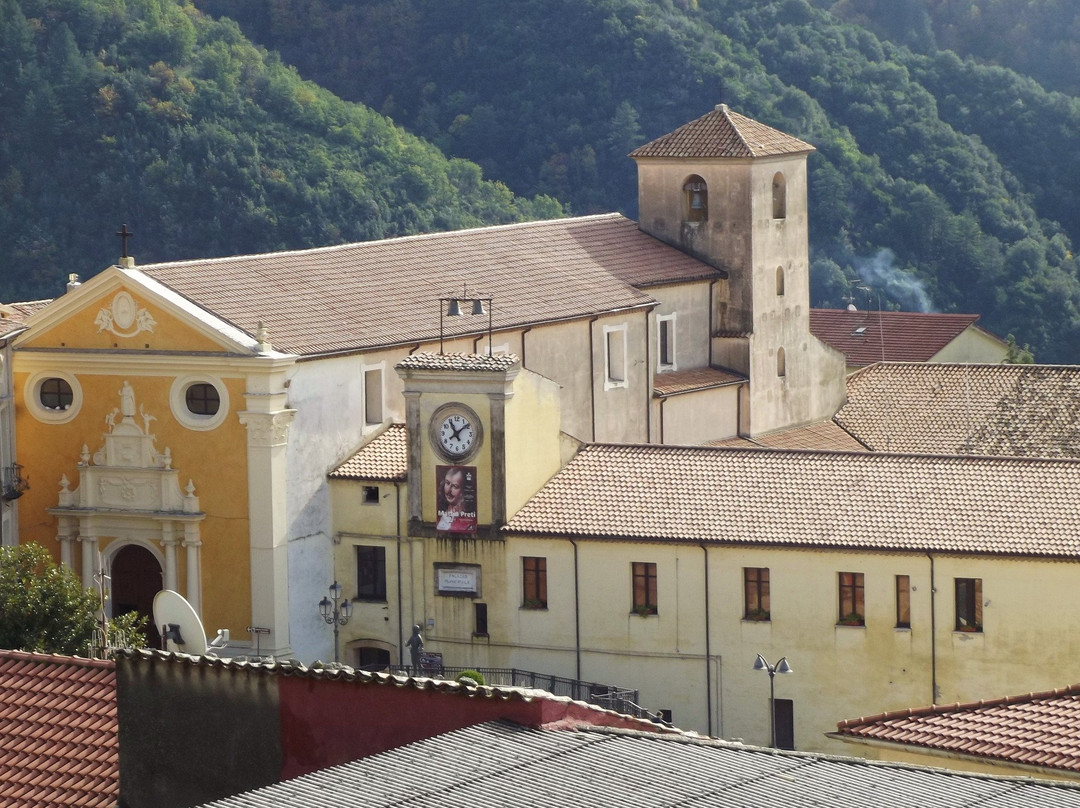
762,664
336,612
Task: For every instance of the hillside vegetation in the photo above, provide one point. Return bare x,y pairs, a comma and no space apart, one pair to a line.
939,181
147,112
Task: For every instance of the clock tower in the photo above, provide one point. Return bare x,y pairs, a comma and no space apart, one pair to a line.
483,436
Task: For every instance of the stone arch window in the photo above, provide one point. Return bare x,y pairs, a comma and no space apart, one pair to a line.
696,193
779,281
779,196
781,362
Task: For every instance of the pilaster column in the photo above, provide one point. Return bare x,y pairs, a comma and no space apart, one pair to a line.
66,536
268,434
412,431
192,543
168,541
90,559
498,460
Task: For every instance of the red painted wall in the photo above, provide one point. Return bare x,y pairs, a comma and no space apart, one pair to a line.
326,723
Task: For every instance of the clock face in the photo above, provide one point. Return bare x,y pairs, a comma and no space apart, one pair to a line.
455,432
457,435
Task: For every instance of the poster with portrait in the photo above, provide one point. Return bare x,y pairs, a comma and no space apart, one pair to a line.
455,493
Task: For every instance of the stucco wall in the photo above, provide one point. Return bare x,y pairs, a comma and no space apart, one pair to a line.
973,345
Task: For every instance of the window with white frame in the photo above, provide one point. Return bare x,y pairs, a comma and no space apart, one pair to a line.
665,334
615,356
373,395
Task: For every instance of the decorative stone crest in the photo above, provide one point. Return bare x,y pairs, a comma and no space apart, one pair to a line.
124,317
127,472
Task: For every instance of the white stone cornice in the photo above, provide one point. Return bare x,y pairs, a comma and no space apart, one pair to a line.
267,428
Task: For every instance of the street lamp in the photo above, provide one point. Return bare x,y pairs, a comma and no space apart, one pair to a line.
334,613
762,664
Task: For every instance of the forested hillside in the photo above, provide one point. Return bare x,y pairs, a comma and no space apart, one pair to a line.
1039,38
148,113
939,180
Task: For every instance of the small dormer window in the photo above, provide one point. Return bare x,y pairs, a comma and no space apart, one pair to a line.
696,192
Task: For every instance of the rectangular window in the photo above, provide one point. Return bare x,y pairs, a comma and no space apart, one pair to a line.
756,593
969,604
371,495
373,396
370,573
666,335
852,608
644,573
615,356
480,613
534,582
903,601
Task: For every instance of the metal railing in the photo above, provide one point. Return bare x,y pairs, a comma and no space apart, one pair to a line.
621,700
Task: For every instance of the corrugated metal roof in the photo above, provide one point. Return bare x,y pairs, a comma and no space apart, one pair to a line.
853,500
372,294
507,765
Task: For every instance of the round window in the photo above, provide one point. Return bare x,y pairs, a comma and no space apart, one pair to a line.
199,401
55,394
202,399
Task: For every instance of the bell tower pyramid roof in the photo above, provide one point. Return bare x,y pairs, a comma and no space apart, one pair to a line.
722,133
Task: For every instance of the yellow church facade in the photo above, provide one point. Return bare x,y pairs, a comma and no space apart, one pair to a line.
148,429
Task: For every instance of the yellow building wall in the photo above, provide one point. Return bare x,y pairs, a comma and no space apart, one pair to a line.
532,430
917,757
214,460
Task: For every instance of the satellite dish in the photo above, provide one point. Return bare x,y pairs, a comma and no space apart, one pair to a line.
180,626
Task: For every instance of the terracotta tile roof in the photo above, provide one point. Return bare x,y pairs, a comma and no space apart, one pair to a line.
384,457
865,337
488,363
1015,410
825,436
687,381
851,500
373,294
505,764
13,315
1037,729
58,736
722,133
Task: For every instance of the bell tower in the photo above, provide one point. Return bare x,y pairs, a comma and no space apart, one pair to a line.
733,192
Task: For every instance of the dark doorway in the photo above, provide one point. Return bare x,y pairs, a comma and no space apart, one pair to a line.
784,716
372,659
136,578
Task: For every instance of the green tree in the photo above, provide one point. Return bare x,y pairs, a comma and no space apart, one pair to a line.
44,608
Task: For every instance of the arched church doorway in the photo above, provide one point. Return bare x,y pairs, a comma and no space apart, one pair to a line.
136,578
